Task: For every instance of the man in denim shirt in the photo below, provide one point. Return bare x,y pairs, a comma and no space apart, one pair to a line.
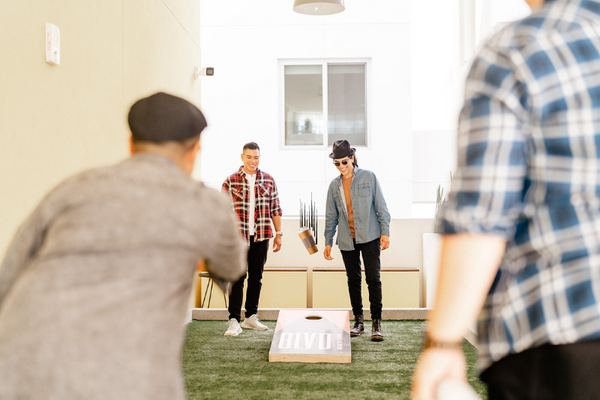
355,203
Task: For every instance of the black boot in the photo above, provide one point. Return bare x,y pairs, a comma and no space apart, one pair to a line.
376,334
359,326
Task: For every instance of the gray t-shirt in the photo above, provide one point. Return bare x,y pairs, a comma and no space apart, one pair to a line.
95,285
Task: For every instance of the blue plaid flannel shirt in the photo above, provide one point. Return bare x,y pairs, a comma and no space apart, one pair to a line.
529,170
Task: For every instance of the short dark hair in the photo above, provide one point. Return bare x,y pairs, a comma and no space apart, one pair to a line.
251,146
355,161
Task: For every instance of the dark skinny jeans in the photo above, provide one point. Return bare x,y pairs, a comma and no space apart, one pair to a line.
257,257
370,254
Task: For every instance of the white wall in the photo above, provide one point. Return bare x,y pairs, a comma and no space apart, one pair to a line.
435,71
416,50
244,41
440,63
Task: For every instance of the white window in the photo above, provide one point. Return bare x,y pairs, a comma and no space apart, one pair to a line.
324,102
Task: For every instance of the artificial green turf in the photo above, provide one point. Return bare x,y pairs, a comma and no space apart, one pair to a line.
220,367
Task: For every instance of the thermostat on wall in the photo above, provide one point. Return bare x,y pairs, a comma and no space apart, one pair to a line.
52,44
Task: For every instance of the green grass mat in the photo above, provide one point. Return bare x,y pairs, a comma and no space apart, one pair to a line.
219,367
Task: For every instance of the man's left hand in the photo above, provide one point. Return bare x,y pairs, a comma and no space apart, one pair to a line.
384,242
435,366
277,243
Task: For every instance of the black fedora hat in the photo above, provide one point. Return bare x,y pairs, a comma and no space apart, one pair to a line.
341,149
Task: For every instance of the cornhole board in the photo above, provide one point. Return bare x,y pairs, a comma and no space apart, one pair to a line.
311,336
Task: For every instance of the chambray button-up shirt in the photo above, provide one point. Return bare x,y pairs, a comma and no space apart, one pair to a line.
529,170
371,216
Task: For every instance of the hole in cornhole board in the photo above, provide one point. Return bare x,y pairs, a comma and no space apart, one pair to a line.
313,317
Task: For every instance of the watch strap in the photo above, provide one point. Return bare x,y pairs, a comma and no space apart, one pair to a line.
429,343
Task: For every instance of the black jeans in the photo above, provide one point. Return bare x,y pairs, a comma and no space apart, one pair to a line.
561,372
370,254
257,257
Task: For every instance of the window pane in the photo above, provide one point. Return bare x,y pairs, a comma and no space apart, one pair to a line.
303,105
346,103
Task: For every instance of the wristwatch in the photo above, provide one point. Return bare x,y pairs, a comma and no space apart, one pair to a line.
279,233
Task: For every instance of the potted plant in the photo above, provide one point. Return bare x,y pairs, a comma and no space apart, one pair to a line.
432,247
440,205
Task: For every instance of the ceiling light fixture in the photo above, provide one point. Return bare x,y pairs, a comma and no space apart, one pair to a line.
319,7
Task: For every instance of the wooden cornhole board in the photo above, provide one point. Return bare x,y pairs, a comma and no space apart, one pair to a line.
311,337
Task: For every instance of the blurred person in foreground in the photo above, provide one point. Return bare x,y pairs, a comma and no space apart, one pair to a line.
522,243
95,285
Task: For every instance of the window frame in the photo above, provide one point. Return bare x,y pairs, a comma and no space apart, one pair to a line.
324,62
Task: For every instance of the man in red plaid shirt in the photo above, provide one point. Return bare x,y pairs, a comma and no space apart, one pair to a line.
256,203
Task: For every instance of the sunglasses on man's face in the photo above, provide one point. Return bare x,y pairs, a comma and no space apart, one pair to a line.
343,162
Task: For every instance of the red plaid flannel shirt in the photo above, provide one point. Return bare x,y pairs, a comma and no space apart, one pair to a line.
266,200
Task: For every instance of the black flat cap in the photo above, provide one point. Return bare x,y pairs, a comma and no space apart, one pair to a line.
163,117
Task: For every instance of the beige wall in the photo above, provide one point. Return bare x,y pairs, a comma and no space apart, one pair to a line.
322,283
405,252
287,288
59,120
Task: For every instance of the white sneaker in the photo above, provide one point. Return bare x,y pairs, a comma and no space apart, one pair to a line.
234,328
252,322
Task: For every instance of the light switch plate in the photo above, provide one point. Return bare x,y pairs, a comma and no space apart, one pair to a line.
52,44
